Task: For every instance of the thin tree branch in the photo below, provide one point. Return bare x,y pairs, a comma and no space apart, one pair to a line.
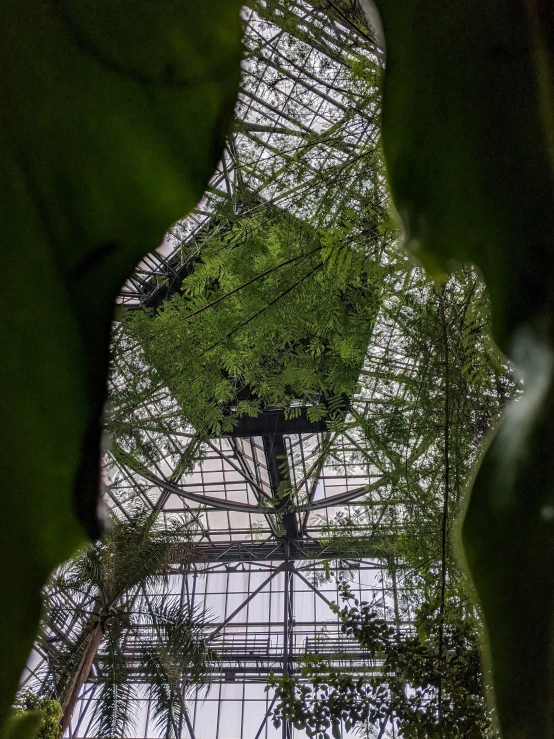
249,282
444,531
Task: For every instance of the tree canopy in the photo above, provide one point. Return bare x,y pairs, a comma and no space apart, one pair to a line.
271,311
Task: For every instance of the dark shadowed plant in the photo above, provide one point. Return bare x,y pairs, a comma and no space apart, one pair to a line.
113,118
468,138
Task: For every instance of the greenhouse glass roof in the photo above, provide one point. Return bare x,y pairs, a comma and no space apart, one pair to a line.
304,141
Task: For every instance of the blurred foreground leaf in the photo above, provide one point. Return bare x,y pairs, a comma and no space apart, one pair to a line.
25,726
468,133
113,119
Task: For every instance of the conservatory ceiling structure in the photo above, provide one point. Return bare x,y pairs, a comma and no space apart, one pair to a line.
304,141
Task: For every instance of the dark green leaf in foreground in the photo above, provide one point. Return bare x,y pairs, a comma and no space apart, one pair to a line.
114,116
468,136
25,726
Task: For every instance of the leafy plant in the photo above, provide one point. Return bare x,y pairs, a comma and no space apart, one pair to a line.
439,386
98,605
468,128
50,710
272,310
22,725
402,681
114,116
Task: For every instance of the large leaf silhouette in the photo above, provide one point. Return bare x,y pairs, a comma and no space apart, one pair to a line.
468,132
113,118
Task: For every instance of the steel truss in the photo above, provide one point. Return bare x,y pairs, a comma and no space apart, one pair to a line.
298,108
260,563
249,649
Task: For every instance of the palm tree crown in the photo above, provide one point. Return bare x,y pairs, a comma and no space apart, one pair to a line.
110,619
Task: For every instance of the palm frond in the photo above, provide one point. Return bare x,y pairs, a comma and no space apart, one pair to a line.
163,677
136,550
116,712
182,632
82,572
107,585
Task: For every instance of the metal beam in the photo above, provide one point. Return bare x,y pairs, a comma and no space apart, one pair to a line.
312,587
273,550
270,422
264,720
245,602
189,724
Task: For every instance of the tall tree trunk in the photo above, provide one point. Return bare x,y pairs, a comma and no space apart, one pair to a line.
81,674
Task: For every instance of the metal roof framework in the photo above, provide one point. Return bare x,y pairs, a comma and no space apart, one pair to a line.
304,139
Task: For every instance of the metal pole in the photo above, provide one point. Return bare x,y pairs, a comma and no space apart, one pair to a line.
264,722
287,728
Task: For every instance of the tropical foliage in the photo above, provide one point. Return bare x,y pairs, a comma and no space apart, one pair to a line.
49,708
110,622
434,386
405,688
272,310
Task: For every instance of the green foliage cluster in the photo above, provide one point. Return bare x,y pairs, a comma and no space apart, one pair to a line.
273,311
50,710
401,686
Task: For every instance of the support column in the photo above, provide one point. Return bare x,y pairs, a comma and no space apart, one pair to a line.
288,630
